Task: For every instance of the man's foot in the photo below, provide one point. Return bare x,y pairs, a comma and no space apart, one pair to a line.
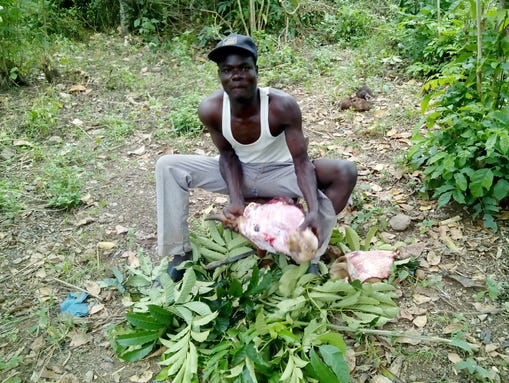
176,273
313,269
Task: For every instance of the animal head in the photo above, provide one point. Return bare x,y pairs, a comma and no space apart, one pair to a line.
302,245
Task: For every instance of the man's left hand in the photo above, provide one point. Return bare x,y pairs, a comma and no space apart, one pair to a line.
311,220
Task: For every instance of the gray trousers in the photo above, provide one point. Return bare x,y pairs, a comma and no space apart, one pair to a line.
176,174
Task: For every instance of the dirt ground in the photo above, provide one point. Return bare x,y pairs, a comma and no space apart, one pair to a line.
45,254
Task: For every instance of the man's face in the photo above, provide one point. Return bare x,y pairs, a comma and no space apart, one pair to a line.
238,75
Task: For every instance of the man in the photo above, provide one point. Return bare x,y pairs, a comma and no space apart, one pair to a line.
262,153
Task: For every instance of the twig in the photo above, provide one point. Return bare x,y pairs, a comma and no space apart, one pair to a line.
19,271
216,264
397,334
76,287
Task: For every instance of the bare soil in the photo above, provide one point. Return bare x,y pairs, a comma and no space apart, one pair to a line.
45,254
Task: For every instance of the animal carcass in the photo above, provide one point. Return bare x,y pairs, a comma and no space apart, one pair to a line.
274,226
364,265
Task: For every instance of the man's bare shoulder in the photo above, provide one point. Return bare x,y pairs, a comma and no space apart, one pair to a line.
210,108
282,101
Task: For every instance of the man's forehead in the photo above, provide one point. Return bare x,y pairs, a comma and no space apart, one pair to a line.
237,59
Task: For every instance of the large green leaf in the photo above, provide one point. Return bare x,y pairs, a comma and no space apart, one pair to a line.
336,361
501,189
322,371
137,338
144,321
479,180
138,354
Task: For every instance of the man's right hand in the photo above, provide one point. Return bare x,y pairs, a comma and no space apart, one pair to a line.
233,210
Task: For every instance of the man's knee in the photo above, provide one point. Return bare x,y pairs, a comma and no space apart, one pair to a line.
165,162
343,173
348,173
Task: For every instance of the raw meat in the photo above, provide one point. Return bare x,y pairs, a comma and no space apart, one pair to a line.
364,265
274,226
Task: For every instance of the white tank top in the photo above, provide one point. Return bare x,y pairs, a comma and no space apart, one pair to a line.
266,148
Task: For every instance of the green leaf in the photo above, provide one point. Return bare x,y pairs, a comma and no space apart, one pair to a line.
144,321
479,180
444,199
461,344
290,277
182,312
137,338
200,337
461,181
334,339
160,314
138,354
214,233
322,371
188,283
501,189
237,240
198,307
205,319
336,361
352,239
369,236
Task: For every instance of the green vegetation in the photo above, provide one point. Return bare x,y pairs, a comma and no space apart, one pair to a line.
463,147
236,322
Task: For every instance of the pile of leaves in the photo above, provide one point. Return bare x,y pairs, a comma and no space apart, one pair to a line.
241,323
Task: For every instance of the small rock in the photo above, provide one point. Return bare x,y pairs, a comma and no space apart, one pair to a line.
400,222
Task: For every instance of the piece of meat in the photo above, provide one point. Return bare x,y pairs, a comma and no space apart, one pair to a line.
274,226
364,265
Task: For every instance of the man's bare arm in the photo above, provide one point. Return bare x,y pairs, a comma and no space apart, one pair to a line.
229,164
304,169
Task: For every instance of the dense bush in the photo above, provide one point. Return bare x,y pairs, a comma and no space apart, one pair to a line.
464,146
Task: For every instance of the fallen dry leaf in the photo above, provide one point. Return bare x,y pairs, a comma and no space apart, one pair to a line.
93,288
45,293
78,338
132,258
77,122
420,321
453,357
380,379
121,229
447,239
452,327
77,88
137,152
350,359
414,251
96,308
464,281
409,340
433,258
143,378
21,143
106,245
84,221
37,344
491,347
420,299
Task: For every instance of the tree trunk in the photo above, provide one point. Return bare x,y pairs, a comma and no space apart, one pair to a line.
124,17
478,13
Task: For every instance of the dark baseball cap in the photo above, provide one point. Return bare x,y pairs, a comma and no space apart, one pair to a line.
231,44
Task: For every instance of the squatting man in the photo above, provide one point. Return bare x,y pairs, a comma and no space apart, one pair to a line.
262,154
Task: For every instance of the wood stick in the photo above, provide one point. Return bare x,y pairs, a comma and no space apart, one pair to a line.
397,334
76,287
216,264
